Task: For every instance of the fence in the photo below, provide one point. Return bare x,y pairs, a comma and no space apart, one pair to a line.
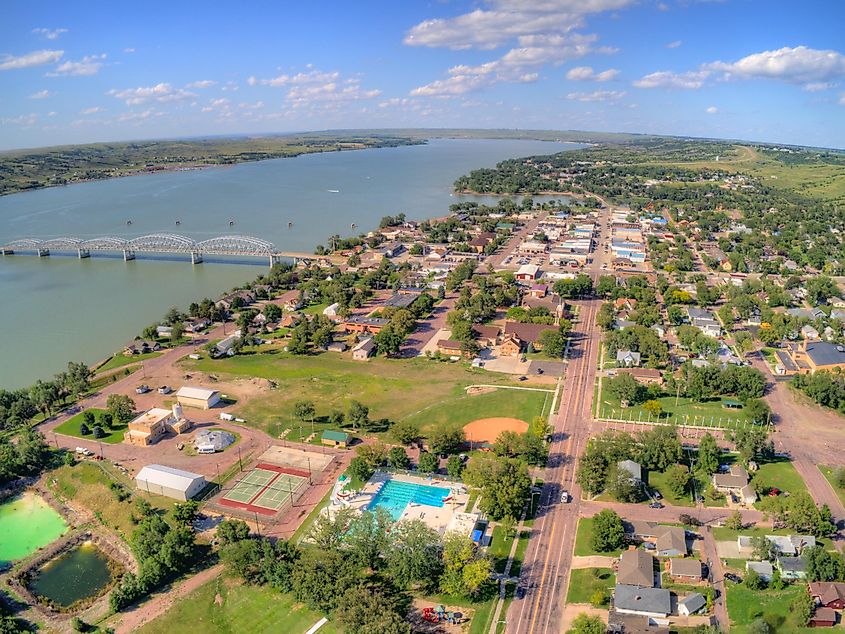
685,421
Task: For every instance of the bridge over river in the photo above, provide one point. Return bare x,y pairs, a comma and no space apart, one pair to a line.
231,245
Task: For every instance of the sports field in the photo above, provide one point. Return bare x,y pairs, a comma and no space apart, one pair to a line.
265,489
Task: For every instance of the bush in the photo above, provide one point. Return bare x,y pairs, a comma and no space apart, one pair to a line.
360,469
428,463
84,430
98,432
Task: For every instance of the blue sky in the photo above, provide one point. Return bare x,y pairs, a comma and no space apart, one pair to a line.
766,70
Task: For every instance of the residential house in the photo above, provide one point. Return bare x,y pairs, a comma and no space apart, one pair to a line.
805,313
197,325
828,594
486,336
660,330
618,623
691,604
671,542
735,483
538,291
364,349
685,570
633,468
336,346
636,568
450,348
762,568
392,249
627,358
511,345
141,346
644,376
809,333
653,602
289,300
791,567
528,334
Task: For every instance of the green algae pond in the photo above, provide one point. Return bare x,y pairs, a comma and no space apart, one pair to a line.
78,574
27,523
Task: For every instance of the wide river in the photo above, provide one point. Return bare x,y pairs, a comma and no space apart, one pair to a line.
58,309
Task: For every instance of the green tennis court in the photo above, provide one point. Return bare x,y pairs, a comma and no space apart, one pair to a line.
250,484
279,492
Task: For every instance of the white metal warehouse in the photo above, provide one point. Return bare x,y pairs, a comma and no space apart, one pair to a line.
173,483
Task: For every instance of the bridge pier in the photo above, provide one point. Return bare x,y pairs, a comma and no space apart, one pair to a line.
196,257
128,254
7,251
275,259
43,253
83,253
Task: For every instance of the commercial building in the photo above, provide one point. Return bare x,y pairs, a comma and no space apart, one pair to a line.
173,483
198,397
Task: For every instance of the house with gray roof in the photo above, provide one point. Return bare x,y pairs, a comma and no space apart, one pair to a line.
791,567
627,358
633,468
654,602
691,604
762,568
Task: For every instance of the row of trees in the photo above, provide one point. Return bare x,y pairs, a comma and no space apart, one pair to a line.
18,407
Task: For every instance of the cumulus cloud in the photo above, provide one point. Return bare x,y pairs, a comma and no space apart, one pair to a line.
88,65
161,93
35,58
597,95
712,110
674,44
41,94
816,86
842,99
317,86
129,50
49,34
541,33
814,69
93,110
586,73
24,120
203,83
666,79
138,117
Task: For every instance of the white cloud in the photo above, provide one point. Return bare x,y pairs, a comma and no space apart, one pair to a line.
586,73
35,58
41,94
597,95
712,110
842,99
816,86
799,65
666,79
674,44
129,50
251,106
162,93
317,86
311,77
52,113
507,20
203,83
88,65
219,103
543,32
138,117
93,110
24,120
50,34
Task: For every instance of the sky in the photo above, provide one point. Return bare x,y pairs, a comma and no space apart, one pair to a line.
760,70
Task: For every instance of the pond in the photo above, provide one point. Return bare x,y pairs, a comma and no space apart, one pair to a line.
73,576
27,523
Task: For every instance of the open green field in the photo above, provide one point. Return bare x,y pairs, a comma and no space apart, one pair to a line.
584,582
686,412
583,548
745,606
119,360
241,608
427,392
500,548
779,474
70,427
829,474
657,480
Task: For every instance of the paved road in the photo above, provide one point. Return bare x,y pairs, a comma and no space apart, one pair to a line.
428,328
509,248
548,558
717,578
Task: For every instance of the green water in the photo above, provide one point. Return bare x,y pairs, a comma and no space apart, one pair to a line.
78,574
27,523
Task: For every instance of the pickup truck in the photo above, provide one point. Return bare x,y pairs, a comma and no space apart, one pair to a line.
565,497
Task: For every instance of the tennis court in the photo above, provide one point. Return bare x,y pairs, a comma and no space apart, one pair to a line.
250,485
278,492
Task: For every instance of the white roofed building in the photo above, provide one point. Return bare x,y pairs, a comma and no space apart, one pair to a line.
198,397
173,483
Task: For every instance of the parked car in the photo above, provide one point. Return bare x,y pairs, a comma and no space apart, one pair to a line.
732,577
655,505
564,497
142,389
520,592
164,389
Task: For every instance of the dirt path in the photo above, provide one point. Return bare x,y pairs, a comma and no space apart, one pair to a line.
142,614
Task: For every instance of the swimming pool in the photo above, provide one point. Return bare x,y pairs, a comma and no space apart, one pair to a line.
395,495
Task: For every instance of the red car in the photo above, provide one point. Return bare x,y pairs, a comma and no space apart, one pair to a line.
774,492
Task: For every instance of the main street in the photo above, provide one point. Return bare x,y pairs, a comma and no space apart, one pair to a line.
548,558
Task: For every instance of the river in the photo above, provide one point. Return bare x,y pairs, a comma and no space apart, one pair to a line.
60,308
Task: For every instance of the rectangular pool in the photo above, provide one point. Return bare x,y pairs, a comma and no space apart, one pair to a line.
395,495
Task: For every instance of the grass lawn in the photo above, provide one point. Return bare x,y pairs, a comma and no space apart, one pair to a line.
745,606
584,582
829,474
392,388
500,548
241,608
70,427
723,533
780,474
657,480
119,360
519,555
707,414
87,484
501,626
583,547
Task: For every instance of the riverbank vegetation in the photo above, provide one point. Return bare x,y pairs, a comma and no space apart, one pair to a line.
24,170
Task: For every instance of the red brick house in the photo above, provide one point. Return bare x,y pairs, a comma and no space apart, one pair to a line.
828,594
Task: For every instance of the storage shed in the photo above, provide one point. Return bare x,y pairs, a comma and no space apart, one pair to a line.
170,482
198,397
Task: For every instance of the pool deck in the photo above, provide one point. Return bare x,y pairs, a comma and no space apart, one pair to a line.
440,519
